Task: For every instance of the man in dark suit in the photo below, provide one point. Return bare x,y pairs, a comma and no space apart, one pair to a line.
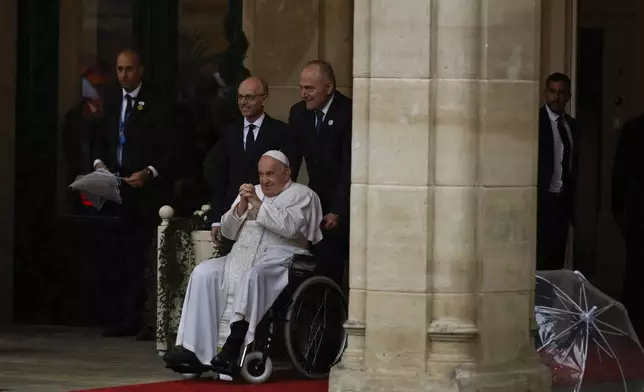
136,141
628,211
242,143
322,124
556,184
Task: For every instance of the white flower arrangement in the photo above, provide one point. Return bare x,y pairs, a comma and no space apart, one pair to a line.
203,212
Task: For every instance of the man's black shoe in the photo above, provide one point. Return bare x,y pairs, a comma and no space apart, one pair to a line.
226,361
221,364
184,361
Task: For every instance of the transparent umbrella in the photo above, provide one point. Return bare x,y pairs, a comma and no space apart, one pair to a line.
585,336
99,186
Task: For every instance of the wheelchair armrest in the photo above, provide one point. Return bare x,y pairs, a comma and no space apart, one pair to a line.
302,266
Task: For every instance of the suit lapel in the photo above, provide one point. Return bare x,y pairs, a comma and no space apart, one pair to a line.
263,133
238,140
333,116
136,114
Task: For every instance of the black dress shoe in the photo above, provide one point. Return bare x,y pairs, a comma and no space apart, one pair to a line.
226,361
223,365
184,361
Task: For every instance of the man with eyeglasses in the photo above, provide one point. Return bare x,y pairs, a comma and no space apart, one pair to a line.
241,145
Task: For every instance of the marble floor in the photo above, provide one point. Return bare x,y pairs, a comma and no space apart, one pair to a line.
61,359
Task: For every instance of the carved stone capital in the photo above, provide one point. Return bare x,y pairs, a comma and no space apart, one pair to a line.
451,331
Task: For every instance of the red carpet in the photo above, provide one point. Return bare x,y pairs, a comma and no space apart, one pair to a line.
222,386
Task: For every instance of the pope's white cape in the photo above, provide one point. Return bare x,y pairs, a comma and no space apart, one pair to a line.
245,283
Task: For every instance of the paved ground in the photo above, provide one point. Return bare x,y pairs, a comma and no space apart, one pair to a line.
54,359
62,359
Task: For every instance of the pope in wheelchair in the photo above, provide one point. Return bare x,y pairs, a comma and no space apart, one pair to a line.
227,298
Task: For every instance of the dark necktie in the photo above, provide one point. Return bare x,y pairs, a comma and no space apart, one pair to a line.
250,138
319,119
128,107
126,114
565,162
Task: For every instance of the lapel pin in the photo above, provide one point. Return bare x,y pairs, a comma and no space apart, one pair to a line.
330,122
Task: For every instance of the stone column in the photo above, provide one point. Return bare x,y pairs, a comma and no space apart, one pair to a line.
8,35
443,198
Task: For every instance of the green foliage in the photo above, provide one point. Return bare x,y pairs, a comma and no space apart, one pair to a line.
176,257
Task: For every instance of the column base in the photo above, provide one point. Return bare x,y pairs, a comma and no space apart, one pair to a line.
536,379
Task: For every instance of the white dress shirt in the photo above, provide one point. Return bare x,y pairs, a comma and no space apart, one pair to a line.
134,93
258,124
556,183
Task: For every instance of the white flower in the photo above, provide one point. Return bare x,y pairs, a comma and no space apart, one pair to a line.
205,208
330,122
199,213
141,103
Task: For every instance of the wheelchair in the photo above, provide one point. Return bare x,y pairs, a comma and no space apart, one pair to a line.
305,326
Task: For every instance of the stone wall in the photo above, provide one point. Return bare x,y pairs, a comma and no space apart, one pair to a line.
286,34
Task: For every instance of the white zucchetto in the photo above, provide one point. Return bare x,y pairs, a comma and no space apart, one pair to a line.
279,156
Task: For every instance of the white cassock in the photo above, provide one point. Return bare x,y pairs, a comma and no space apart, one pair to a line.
245,283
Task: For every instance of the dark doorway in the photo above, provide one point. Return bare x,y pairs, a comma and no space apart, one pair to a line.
589,113
58,249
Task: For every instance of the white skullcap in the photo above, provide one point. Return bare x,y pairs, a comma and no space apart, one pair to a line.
279,156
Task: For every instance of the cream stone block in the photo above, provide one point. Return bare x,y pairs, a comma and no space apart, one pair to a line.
358,230
361,38
281,49
454,261
504,329
336,38
456,110
360,132
396,333
400,39
399,132
457,308
457,39
358,305
280,100
506,234
509,133
512,43
398,238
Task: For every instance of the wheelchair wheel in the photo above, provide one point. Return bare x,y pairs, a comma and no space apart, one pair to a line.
314,333
255,370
